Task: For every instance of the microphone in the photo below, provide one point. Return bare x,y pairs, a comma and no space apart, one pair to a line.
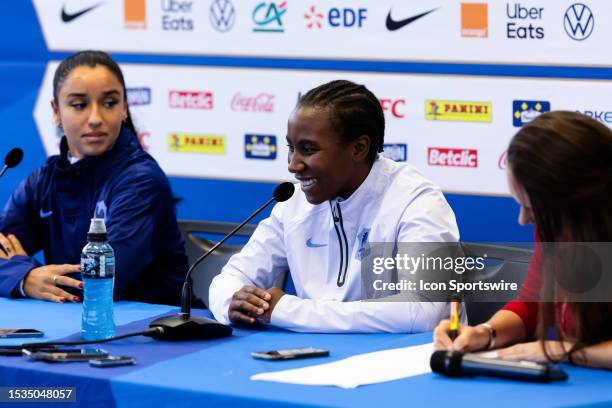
457,364
12,159
186,327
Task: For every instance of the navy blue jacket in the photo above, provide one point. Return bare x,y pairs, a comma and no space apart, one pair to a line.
52,208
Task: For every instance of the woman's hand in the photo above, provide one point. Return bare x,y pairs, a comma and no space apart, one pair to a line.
10,246
42,283
533,351
470,338
248,304
275,295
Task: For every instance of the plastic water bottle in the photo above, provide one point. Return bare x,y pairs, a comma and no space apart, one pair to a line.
98,272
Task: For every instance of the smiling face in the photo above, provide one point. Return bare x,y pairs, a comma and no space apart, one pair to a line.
521,197
90,108
326,166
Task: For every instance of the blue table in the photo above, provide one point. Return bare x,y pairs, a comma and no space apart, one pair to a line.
217,372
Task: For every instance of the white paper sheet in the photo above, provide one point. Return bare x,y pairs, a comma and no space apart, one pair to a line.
362,369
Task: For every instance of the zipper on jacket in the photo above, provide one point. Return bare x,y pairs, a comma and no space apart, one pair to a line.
342,241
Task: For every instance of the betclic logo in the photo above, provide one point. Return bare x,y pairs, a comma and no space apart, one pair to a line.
395,107
452,157
458,111
190,99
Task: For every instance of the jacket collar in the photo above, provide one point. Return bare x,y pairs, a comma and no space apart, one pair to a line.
125,145
371,186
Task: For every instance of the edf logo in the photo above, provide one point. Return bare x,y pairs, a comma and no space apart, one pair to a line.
336,17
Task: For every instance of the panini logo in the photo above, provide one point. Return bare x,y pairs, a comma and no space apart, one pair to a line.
451,157
190,99
188,143
461,111
260,146
135,14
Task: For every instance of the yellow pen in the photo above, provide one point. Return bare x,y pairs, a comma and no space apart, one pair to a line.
454,317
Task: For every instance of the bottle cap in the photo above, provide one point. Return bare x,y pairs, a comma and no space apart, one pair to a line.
97,230
97,226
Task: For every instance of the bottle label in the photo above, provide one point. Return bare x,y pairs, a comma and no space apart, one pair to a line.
94,266
102,265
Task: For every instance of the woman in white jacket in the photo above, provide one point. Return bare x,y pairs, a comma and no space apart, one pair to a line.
350,197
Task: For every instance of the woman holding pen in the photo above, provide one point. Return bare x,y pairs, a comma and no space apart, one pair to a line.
560,173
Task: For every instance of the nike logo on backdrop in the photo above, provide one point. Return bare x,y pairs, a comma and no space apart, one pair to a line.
45,214
310,244
66,17
393,25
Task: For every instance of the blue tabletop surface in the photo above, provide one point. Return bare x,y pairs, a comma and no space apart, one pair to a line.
216,372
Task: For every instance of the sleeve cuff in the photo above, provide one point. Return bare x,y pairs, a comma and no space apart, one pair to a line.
283,311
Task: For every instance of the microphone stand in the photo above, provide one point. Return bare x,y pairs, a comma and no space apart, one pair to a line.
183,326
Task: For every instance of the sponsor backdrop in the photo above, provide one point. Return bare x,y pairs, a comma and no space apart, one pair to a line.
212,82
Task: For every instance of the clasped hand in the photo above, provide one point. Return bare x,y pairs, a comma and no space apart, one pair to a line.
251,305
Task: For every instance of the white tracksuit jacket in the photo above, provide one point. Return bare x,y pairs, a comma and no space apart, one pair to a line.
395,203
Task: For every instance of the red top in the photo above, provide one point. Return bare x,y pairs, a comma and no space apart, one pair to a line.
524,306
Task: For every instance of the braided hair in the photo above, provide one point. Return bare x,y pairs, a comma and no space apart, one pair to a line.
354,110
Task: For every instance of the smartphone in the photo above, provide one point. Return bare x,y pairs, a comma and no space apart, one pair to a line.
20,350
68,355
16,333
50,349
112,361
289,354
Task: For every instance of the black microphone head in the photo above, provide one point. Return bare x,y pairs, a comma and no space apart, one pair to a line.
283,191
446,363
13,158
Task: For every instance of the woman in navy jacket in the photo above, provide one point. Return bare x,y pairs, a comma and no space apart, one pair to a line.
101,171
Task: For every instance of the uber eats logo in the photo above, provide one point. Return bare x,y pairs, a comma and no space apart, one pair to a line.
176,15
524,22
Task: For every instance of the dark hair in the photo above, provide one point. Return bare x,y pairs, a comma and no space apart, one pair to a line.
91,58
354,111
563,162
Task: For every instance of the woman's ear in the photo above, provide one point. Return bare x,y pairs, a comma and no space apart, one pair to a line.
56,114
361,148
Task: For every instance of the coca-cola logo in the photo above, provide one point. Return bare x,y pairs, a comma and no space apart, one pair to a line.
502,163
443,156
190,99
262,102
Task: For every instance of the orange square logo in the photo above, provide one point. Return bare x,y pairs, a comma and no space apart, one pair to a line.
135,14
475,20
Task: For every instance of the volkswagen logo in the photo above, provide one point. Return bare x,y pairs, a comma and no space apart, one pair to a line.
578,22
222,15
